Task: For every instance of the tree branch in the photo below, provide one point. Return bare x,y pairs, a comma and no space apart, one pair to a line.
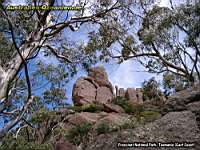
9,126
165,62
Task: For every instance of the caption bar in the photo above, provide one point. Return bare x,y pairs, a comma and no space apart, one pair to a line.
44,7
154,144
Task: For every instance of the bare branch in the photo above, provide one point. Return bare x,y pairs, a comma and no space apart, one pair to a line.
165,62
55,52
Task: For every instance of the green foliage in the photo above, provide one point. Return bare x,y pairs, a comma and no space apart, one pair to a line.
148,116
7,49
102,128
128,108
43,116
10,143
55,96
174,83
88,108
92,108
128,125
78,133
151,90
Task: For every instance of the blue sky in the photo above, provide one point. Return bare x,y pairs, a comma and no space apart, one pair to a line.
128,74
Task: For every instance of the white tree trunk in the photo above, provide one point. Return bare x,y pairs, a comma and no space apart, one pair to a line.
8,75
3,84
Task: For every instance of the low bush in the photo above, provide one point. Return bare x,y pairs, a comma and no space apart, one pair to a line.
88,108
128,108
92,107
102,128
77,134
128,125
148,116
11,143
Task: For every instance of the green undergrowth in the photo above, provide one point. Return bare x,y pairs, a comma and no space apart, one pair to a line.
44,115
102,128
88,108
128,108
11,143
148,116
78,133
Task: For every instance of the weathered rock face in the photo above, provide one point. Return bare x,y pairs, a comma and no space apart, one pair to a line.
188,99
131,94
114,119
103,95
109,107
100,77
83,92
94,88
121,92
180,100
64,145
82,117
134,95
173,127
139,95
97,88
96,118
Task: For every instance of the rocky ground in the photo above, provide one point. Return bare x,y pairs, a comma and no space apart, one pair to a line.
106,120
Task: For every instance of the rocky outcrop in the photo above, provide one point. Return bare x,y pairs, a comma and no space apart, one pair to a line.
188,99
120,92
94,88
111,119
64,145
103,95
179,122
100,77
114,119
109,107
84,92
171,128
97,88
134,95
180,100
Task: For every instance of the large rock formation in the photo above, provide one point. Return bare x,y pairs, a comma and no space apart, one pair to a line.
94,88
173,127
120,92
111,119
103,95
179,123
188,99
97,88
100,77
84,92
134,95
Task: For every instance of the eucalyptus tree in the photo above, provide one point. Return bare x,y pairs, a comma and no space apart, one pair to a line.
165,40
24,35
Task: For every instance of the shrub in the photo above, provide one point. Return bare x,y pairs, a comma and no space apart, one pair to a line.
78,133
88,108
43,115
102,128
149,116
128,108
151,90
128,125
91,108
10,143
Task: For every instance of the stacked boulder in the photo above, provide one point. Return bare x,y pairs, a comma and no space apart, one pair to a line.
94,88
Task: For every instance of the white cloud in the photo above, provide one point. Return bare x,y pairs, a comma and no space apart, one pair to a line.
163,3
128,74
18,2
